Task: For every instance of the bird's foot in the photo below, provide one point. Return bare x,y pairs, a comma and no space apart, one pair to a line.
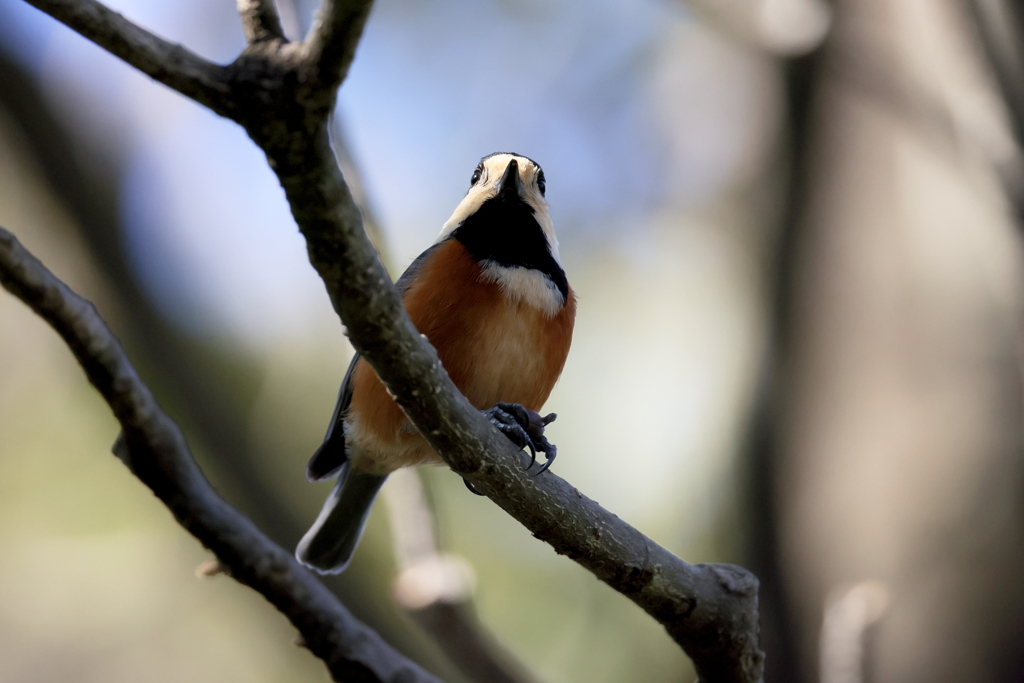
524,428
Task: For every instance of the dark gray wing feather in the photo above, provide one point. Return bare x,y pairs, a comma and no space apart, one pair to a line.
329,458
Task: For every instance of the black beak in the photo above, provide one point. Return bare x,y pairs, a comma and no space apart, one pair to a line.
508,188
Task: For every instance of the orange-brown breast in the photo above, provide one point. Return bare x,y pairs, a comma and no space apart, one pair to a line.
493,349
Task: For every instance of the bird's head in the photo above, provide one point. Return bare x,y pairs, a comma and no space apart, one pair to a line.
509,190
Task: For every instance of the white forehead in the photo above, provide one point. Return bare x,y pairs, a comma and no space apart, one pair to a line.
497,163
493,168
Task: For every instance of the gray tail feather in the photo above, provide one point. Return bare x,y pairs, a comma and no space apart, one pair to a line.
329,458
328,545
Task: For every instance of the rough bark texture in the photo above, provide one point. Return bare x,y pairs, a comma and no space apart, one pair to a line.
282,94
259,21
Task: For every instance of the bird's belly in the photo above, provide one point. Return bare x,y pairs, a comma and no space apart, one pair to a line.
505,360
508,361
495,349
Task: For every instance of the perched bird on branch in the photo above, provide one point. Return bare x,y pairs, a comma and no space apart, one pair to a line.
492,298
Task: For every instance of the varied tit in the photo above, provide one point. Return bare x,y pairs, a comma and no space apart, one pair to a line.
492,298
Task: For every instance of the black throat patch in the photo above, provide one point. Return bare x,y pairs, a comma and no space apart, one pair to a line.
506,232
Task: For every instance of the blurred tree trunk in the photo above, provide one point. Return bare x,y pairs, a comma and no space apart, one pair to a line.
894,446
762,444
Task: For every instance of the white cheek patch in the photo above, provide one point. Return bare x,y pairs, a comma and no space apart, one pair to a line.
525,285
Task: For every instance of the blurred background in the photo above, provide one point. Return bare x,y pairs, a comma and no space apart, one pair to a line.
794,228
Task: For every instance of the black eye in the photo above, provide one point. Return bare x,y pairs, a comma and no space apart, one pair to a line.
476,175
541,183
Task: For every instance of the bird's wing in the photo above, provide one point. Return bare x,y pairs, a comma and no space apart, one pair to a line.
331,455
405,281
329,458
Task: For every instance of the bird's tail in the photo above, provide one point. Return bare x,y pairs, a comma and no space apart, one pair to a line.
328,545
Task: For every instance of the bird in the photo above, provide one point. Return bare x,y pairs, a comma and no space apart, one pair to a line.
491,296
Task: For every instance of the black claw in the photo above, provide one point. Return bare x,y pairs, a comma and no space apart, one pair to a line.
472,489
525,429
550,451
527,441
533,452
512,420
545,466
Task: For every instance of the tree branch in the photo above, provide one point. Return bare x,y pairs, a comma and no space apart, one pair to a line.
154,449
260,22
710,610
162,61
436,589
331,45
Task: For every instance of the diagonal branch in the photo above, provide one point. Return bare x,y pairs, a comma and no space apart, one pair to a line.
162,61
260,21
332,42
154,449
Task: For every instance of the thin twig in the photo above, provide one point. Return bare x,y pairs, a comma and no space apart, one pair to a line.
162,61
260,22
353,178
154,449
332,41
436,589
